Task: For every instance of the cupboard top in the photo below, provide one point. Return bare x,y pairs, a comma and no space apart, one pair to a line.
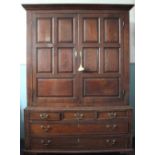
77,7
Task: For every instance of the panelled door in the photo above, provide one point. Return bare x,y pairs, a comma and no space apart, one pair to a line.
62,43
54,59
101,47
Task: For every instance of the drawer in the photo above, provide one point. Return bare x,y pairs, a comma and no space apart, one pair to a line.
100,142
80,142
50,116
70,115
58,142
77,115
111,115
85,128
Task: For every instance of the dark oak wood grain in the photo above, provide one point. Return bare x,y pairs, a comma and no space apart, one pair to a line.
44,60
44,30
65,30
80,142
90,29
111,60
101,87
65,60
112,29
69,110
48,130
55,87
91,59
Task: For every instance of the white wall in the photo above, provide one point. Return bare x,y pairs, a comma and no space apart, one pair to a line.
81,1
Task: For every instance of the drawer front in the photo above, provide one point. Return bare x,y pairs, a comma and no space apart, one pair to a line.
75,142
77,115
102,142
87,128
49,143
111,115
53,116
70,115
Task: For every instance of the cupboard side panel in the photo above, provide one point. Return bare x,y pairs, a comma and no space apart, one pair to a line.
29,58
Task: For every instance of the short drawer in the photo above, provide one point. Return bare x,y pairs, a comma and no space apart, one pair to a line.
85,128
70,115
111,115
80,142
53,116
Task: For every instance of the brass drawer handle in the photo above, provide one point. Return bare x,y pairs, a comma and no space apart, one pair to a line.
45,143
79,115
75,115
112,115
113,141
78,140
43,116
114,126
107,140
45,128
107,126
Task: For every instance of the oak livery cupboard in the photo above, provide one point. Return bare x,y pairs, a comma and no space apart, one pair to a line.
78,79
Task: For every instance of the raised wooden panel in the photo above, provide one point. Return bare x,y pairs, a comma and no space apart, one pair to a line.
65,60
111,60
44,60
91,59
55,87
90,30
101,87
111,30
65,30
44,30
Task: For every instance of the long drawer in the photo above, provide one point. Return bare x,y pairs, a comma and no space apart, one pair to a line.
44,129
79,142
